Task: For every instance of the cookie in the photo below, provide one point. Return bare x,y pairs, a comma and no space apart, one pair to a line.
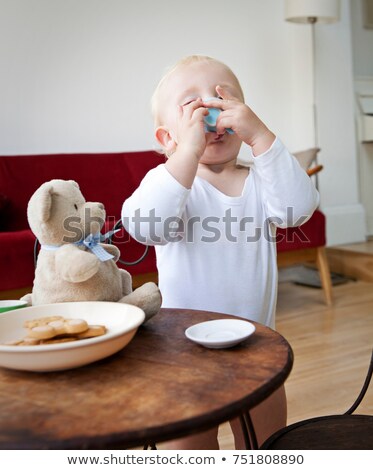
41,321
92,332
59,340
27,341
36,342
23,342
13,343
42,332
58,327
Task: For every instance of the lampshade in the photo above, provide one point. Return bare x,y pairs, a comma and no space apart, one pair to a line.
312,11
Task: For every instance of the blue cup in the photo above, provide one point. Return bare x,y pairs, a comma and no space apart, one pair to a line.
210,119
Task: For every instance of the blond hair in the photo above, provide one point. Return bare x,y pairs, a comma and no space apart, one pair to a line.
155,101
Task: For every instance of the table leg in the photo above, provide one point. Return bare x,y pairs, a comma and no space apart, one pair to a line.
248,431
151,445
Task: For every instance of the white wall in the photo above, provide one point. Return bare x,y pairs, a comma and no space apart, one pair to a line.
77,75
339,181
362,43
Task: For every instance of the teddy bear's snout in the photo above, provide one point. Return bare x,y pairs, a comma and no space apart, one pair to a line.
93,217
95,209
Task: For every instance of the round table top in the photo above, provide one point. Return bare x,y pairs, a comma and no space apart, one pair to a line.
159,387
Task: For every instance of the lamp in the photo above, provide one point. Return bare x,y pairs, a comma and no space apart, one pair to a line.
311,12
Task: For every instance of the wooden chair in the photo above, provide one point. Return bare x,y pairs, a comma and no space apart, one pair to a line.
335,432
306,244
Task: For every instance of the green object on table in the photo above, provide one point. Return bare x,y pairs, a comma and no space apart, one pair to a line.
6,305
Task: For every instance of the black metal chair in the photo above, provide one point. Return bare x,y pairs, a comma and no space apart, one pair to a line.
336,432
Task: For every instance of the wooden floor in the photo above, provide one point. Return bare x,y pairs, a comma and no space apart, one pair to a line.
354,260
332,348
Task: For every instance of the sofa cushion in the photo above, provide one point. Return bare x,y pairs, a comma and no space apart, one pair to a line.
16,259
4,211
109,178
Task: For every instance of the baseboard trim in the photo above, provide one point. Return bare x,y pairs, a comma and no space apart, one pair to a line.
353,264
345,224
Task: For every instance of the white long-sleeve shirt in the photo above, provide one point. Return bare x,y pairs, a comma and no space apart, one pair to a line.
216,252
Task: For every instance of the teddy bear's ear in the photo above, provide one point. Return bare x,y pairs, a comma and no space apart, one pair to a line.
42,203
74,183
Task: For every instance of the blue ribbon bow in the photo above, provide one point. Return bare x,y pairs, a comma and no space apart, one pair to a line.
92,242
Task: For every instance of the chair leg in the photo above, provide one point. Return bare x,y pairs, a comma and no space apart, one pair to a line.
364,388
323,267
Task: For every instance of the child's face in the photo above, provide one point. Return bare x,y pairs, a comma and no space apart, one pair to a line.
199,80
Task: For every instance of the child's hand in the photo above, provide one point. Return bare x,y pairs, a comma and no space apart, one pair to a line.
242,120
191,137
189,143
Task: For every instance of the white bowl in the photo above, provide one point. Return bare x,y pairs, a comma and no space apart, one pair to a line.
217,334
121,321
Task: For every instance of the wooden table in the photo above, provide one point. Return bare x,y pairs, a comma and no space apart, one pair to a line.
159,387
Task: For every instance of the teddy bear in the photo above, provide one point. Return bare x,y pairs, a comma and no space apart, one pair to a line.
72,264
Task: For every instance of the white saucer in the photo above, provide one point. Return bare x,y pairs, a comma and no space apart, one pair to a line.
217,334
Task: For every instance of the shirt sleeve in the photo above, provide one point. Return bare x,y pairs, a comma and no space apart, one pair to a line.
289,195
155,208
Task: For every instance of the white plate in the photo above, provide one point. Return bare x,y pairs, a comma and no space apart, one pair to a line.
121,321
217,334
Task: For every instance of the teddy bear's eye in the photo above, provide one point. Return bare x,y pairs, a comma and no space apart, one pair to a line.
76,207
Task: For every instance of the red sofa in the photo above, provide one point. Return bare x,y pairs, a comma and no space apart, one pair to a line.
107,178
110,179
